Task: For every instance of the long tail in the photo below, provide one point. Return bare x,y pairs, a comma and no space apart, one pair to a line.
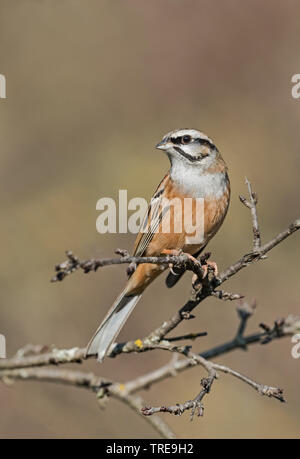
111,325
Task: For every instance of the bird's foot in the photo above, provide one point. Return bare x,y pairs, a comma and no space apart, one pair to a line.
177,253
213,265
206,267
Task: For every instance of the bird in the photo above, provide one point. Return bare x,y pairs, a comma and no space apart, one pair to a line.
198,172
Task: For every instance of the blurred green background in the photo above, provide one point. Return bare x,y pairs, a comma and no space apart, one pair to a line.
91,88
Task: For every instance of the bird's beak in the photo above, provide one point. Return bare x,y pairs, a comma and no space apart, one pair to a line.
163,145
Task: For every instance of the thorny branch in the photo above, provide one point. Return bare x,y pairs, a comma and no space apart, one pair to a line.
34,362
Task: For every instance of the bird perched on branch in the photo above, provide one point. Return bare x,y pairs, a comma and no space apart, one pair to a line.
198,180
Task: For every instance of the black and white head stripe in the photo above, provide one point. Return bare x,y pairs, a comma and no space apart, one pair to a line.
189,143
186,136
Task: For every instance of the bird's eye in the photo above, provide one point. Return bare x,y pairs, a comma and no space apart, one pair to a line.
186,139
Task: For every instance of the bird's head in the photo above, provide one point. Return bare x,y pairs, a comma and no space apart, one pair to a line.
189,146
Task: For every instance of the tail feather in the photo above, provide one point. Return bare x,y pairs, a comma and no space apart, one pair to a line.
111,325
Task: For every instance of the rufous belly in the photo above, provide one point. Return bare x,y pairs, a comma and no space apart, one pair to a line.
214,213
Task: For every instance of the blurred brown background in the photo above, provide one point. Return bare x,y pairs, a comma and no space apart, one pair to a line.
91,88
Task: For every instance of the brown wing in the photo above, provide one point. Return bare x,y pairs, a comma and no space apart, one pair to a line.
152,220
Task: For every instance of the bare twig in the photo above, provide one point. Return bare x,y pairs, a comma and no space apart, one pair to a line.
290,327
194,405
123,391
252,257
245,311
87,381
226,296
208,287
191,336
73,263
68,377
252,206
